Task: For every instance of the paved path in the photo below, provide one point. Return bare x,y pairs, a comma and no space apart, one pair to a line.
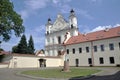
10,74
108,73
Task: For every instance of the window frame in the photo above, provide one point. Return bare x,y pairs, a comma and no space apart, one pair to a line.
87,49
73,50
67,51
111,46
102,47
112,60
95,48
80,50
101,60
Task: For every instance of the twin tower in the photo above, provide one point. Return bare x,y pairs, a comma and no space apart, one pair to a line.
56,32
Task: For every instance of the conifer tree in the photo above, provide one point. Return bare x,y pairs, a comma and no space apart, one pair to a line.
31,45
22,46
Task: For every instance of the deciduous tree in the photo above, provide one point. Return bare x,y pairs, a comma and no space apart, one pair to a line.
10,21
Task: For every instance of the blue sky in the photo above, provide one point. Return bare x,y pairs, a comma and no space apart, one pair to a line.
92,15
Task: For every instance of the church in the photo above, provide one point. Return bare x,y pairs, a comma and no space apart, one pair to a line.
100,48
55,33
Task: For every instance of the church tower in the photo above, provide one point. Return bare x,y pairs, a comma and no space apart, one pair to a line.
48,26
73,23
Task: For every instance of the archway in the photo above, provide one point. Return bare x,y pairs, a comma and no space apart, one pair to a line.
42,62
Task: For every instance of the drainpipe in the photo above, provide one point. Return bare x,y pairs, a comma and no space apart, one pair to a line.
92,53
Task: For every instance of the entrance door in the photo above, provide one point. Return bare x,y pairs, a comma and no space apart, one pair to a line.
77,62
42,62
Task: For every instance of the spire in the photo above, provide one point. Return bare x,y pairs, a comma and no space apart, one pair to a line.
49,21
72,11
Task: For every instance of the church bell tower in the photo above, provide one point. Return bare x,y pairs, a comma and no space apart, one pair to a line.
73,23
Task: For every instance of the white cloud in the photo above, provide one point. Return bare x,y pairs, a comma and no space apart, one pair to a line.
103,27
24,14
31,7
36,4
55,1
65,9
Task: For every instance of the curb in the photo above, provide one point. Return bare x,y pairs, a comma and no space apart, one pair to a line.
33,77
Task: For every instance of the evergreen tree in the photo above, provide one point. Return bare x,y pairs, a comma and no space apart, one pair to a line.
22,46
31,46
15,49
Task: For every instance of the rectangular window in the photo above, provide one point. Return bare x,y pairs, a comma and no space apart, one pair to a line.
80,50
101,60
111,46
73,51
95,48
87,49
67,51
59,40
112,60
77,62
102,47
89,61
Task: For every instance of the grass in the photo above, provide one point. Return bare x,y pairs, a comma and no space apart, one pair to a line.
56,73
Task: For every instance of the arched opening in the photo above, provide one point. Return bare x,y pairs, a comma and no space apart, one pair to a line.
42,62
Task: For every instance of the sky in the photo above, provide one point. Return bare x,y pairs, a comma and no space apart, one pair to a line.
92,15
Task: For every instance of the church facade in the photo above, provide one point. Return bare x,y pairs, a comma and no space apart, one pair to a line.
100,48
55,33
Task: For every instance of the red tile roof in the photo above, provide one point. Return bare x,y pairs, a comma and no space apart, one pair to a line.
4,52
103,34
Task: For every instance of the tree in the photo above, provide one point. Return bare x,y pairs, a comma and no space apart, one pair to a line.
10,21
15,49
31,45
22,46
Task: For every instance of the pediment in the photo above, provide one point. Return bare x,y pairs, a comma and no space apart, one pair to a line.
59,24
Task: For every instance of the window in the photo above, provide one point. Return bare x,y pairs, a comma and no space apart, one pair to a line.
87,49
71,26
67,51
77,62
112,60
73,51
68,60
111,46
102,47
47,32
101,60
80,50
95,48
89,61
59,40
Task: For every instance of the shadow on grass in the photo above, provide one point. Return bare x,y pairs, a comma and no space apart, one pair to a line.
115,76
81,77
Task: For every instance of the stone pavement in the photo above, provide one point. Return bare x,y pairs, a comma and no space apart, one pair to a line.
107,73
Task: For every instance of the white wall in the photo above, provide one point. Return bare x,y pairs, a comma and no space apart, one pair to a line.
83,57
33,62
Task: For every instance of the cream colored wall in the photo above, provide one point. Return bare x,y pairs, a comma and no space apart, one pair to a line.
83,57
33,62
23,62
107,53
53,62
3,65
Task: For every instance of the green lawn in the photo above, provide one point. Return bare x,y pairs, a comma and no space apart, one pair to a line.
56,73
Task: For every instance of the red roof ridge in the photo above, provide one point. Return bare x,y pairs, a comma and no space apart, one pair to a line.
97,35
